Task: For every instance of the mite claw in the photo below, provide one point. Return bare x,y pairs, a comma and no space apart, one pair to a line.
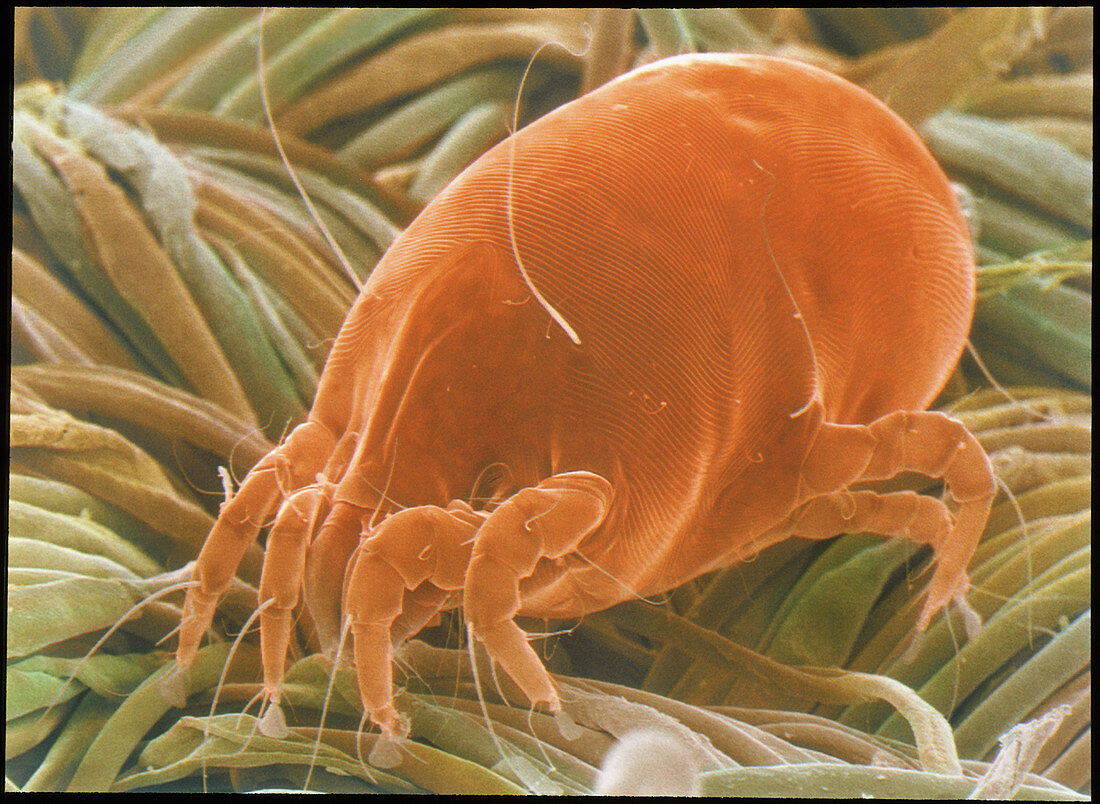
386,752
173,687
273,723
391,724
972,621
913,650
567,727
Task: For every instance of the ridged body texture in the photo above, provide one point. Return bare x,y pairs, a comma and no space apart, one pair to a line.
658,329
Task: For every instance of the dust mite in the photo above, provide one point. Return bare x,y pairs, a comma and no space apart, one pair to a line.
659,329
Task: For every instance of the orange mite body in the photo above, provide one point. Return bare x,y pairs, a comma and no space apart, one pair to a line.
657,330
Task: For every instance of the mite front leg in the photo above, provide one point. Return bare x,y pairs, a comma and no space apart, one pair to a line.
323,580
546,521
375,592
425,549
284,562
285,469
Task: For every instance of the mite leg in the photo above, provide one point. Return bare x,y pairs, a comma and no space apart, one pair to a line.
938,446
917,517
928,442
326,564
419,608
284,470
284,563
906,514
421,549
545,521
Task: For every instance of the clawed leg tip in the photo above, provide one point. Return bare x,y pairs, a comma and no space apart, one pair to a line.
913,650
567,727
390,723
551,705
173,685
386,752
972,621
923,622
273,722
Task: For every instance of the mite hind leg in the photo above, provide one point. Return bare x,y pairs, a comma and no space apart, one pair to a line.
905,514
936,445
423,551
284,470
918,518
932,444
545,521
